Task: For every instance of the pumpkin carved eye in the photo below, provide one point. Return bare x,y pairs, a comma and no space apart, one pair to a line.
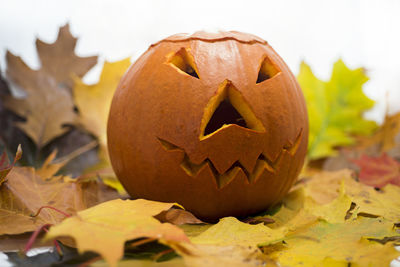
267,70
183,61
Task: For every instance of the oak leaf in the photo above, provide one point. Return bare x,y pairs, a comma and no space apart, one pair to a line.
335,108
378,171
105,227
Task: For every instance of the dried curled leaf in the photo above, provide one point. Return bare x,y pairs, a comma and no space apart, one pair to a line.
25,192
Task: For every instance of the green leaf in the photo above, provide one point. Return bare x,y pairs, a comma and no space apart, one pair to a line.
335,108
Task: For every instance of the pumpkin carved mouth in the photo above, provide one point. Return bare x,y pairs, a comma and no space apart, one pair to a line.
263,163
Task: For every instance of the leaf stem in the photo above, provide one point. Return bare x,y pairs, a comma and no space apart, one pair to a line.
34,237
162,253
50,207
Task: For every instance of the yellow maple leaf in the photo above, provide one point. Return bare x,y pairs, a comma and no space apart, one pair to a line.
323,187
94,101
339,244
244,234
105,227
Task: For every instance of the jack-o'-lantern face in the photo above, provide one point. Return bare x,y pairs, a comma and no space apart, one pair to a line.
215,122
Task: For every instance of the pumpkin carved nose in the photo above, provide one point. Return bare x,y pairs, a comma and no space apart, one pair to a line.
225,108
225,114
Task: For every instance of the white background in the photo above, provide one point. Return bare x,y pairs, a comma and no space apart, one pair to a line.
363,33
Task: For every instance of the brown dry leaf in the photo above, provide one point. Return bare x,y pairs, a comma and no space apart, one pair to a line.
5,166
59,60
47,107
105,227
178,217
25,192
48,104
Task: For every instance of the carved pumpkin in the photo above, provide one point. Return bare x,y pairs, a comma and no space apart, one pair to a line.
215,122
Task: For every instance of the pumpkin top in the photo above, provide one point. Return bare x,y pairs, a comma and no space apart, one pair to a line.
214,37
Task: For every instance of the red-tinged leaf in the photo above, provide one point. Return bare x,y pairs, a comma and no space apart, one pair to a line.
379,171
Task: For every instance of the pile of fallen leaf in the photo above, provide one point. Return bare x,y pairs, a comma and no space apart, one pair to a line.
59,189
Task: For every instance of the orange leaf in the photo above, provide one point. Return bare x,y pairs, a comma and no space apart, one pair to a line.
25,192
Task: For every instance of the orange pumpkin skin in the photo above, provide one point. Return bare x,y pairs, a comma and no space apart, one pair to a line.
170,140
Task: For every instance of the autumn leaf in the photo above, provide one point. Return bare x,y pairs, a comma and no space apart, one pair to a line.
335,108
176,262
384,139
5,166
213,255
59,60
105,227
25,192
94,101
324,187
378,171
245,234
341,243
178,217
228,243
48,104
